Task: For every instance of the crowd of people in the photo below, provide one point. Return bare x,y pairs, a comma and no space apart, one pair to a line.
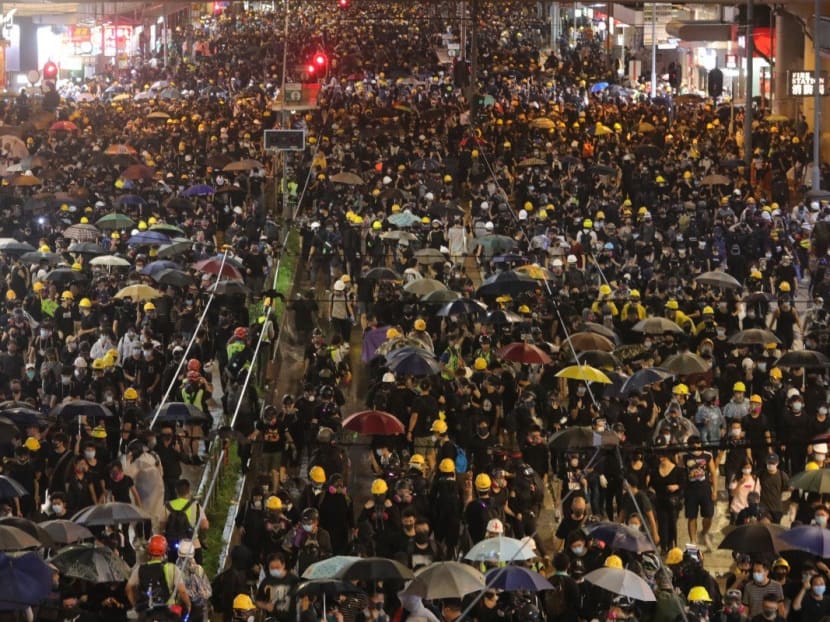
573,314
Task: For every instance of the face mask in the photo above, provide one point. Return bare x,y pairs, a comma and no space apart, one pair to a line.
307,528
421,537
578,550
770,613
647,344
746,471
30,374
822,410
821,521
758,577
44,333
797,406
636,526
818,590
147,353
277,573
772,468
89,455
580,391
762,366
257,505
57,509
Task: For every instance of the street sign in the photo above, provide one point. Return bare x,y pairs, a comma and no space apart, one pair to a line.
453,50
284,140
802,84
293,92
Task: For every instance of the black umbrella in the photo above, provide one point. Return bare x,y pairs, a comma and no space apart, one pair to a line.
425,165
180,412
113,513
173,277
808,359
440,297
8,430
15,539
65,276
96,564
462,306
375,569
754,538
642,378
65,531
37,531
231,287
11,488
327,587
578,437
381,274
619,536
79,408
506,283
24,417
13,247
87,248
647,151
754,336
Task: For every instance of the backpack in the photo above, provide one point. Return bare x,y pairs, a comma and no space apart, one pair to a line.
461,462
556,603
178,524
197,585
153,586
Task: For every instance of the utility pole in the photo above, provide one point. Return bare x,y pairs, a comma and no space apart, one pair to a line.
750,52
653,50
817,101
473,88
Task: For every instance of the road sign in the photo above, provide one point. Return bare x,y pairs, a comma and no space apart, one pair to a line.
284,140
453,50
293,92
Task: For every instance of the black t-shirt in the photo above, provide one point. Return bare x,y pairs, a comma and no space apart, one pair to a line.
273,435
280,591
427,408
121,489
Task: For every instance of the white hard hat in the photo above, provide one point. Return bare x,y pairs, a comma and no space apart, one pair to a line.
792,392
488,226
387,180
315,225
495,526
80,362
388,377
522,214
557,263
429,196
339,286
820,448
186,548
571,258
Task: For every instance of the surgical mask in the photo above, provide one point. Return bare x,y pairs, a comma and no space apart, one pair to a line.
770,613
30,374
822,410
797,406
307,528
771,468
762,366
277,573
821,521
578,550
58,508
580,391
818,590
147,353
89,454
257,505
44,333
759,577
647,344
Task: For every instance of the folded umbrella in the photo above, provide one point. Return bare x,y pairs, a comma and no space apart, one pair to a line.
515,578
445,580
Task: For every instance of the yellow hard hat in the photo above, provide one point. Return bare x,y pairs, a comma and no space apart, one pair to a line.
10,295
699,594
605,290
396,208
420,324
152,220
379,487
687,175
542,215
84,220
67,295
142,226
672,305
377,226
524,309
38,286
660,180
317,475
613,561
273,503
480,364
708,311
243,602
115,235
439,426
600,215
587,223
776,373
446,466
756,398
781,562
149,306
417,460
425,220
98,431
130,394
392,333
635,293
98,364
32,444
77,267
642,211
739,386
483,482
784,287
528,206
447,179
811,466
674,556
85,303
756,274
680,389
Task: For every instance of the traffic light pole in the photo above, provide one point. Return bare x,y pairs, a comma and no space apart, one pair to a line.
750,52
816,185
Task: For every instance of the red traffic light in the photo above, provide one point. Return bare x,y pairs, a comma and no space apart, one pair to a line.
50,71
320,60
311,69
343,3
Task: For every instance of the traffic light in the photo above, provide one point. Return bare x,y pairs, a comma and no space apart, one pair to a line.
715,83
50,71
343,4
320,60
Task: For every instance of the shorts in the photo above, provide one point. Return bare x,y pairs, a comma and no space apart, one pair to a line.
699,500
423,445
271,461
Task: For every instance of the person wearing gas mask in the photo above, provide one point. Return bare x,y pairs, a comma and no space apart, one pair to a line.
276,527
446,506
337,513
329,454
312,494
250,520
379,521
275,594
310,542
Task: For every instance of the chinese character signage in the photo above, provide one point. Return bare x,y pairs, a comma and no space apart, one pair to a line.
803,84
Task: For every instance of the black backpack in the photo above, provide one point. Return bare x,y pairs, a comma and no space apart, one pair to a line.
178,523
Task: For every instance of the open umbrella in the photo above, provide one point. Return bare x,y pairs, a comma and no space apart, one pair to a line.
176,247
89,562
537,272
80,408
15,539
403,219
642,378
500,549
422,287
214,266
327,588
506,283
11,488
231,287
35,530
502,317
13,247
619,536
425,165
445,580
114,513
328,568
657,325
414,364
817,481
115,221
381,274
180,412
715,180
586,373
429,256
136,172
65,531
131,199
441,297
63,126
24,416
811,538
36,257
581,437
346,178
198,190
86,248
461,306
599,329
242,165
176,278
148,238
591,341
716,278
82,233
621,582
65,276
808,359
647,151
754,336
375,569
754,538
525,353
496,244
138,293
598,359
516,578
374,422
398,235
686,363
25,580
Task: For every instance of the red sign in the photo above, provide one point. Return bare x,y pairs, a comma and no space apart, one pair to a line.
79,34
116,39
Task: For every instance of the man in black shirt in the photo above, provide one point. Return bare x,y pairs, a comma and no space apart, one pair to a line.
423,412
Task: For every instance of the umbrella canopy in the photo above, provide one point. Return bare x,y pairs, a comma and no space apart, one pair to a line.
96,564
599,329
501,317
425,165
373,422
136,172
114,513
586,373
381,274
686,363
176,278
403,219
429,256
515,578
657,325
131,199
15,539
441,297
445,580
80,408
138,293
811,538
11,488
579,437
115,221
399,235
326,588
242,165
413,364
422,287
328,568
808,359
754,538
198,190
231,287
23,416
375,569
167,229
33,529
179,412
754,336
717,278
496,244
591,341
36,257
500,549
66,531
461,306
619,536
812,481
65,276
176,247
25,580
715,180
598,359
621,582
346,178
13,247
506,283
86,248
214,266
525,353
642,378
149,238
537,272
157,266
